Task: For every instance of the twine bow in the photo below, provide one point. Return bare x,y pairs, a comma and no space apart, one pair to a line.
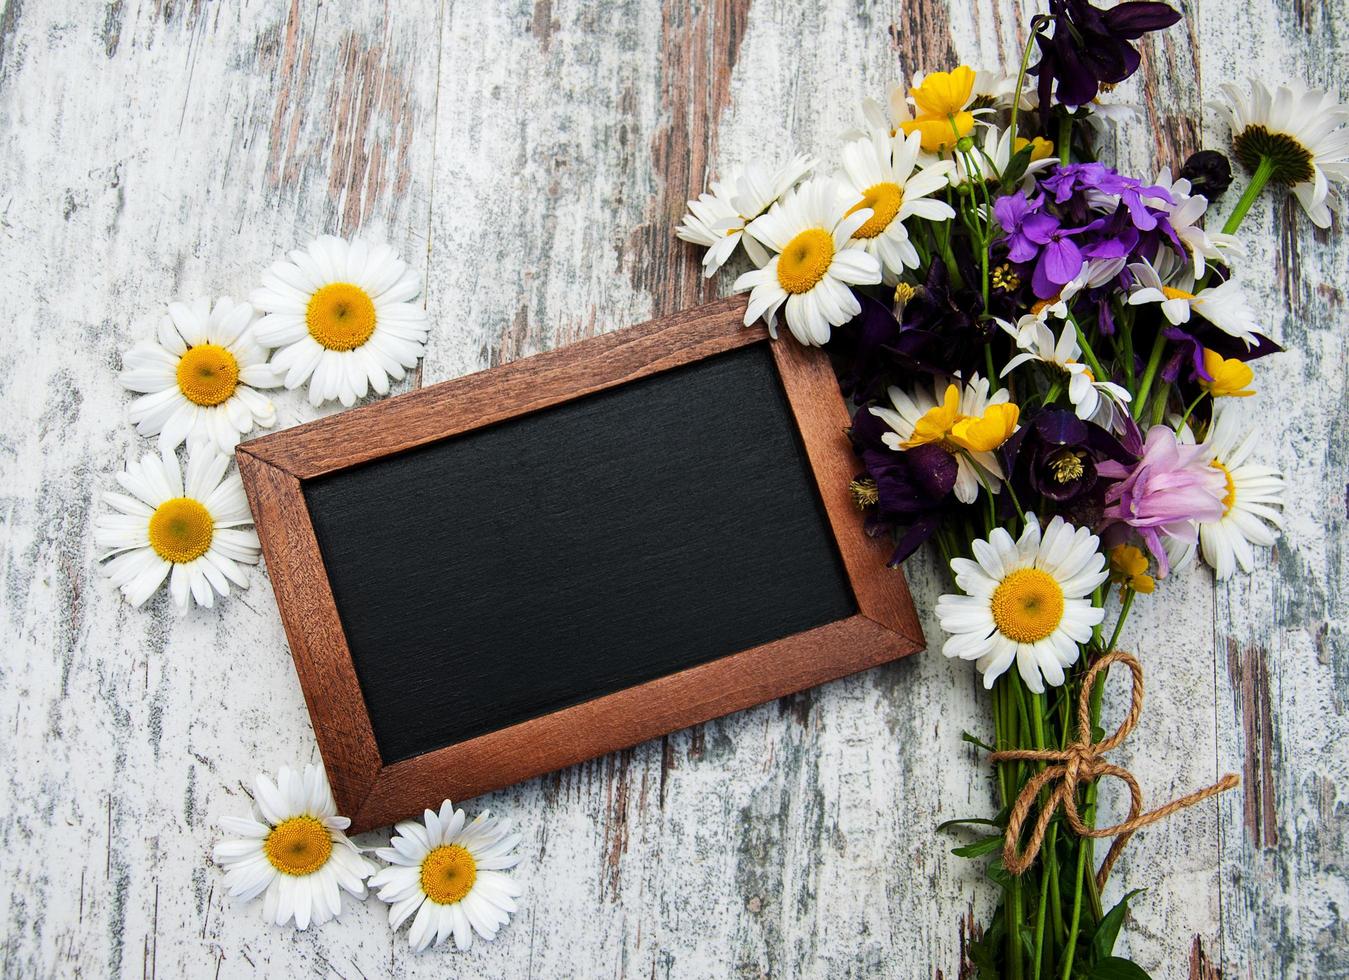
1083,761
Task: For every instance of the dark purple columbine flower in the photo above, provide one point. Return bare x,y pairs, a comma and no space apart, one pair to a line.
1209,173
1055,453
1091,47
903,491
940,334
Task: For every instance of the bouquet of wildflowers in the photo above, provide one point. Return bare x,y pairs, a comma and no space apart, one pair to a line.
1048,360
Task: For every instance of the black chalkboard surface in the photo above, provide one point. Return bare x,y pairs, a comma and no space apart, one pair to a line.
494,577
550,559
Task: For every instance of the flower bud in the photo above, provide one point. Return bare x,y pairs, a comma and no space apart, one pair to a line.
1209,173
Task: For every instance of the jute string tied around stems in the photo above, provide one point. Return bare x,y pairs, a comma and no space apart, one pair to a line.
1083,761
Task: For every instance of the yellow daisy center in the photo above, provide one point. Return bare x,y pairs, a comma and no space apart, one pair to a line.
1230,496
298,846
207,374
181,530
884,199
340,316
448,874
805,260
1170,293
1028,605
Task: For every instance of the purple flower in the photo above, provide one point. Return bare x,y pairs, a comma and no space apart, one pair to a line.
1060,259
1013,212
1091,46
1094,186
1169,489
906,491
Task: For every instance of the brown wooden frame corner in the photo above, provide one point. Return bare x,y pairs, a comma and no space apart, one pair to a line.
273,467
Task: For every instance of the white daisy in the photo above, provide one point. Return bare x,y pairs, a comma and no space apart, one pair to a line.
1252,502
812,230
198,376
292,851
1184,212
925,416
882,174
339,311
1302,132
717,220
1096,401
449,874
1224,305
1025,600
192,534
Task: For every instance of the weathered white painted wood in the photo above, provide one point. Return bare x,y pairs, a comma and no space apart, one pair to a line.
533,158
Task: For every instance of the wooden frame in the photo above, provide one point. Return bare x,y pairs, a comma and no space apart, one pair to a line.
374,794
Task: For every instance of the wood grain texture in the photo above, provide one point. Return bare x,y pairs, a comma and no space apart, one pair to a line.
521,154
375,794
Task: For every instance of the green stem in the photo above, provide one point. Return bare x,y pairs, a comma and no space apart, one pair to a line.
1258,181
1190,410
1076,920
1149,373
1065,138
1127,335
1159,401
1020,81
1123,615
1087,352
1048,869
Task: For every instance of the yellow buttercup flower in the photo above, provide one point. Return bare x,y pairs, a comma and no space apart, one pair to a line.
944,93
1041,148
937,132
983,435
1230,376
1129,567
942,102
946,426
936,423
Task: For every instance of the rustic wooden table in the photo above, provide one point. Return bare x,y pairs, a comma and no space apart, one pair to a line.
533,159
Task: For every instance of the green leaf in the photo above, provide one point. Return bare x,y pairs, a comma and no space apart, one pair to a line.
1016,168
967,737
984,845
949,824
1107,930
1118,968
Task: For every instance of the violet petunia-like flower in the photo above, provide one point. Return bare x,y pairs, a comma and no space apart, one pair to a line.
1020,217
1166,494
1091,46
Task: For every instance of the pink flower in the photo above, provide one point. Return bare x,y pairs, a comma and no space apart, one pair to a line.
1165,493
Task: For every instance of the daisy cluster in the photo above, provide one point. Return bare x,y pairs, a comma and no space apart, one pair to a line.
1031,335
445,873
336,316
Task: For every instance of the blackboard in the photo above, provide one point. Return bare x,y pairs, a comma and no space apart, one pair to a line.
493,577
550,559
